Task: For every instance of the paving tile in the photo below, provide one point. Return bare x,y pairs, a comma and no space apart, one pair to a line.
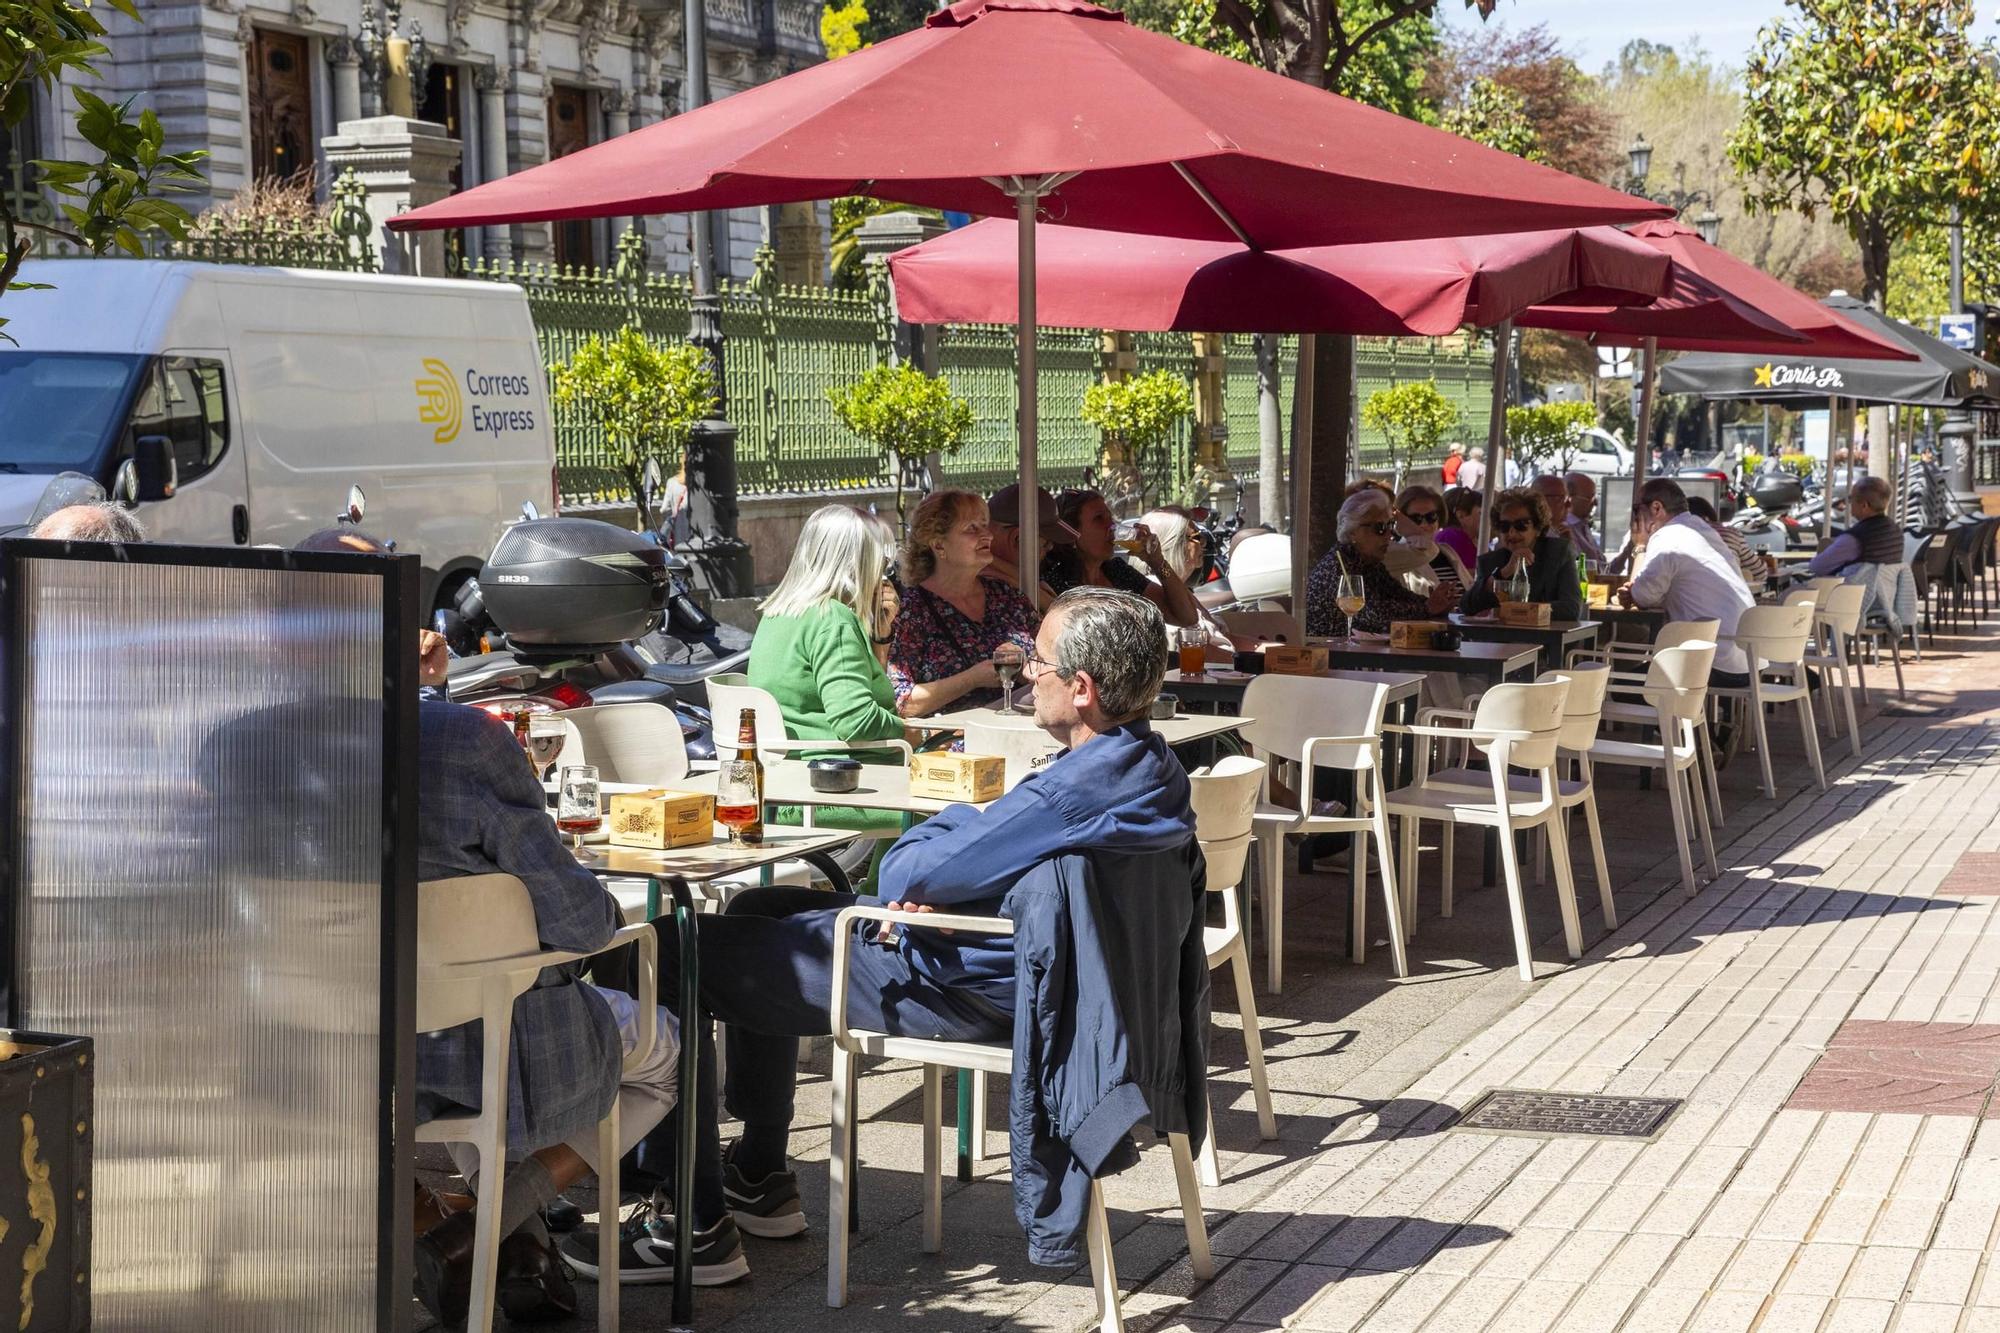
1728,1312
1345,1303
1858,1316
1879,1273
1916,1318
1818,1269
1474,1306
1973,875
1793,1314
1945,1277
1538,1306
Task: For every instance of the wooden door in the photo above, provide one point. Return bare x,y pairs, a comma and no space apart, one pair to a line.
569,131
281,123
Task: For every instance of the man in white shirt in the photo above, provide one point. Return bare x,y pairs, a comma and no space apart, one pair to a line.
1687,572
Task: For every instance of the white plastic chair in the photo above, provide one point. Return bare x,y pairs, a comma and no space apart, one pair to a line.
1676,687
1515,727
1583,709
1774,638
1837,624
1024,748
1225,806
477,952
630,742
1317,723
1628,657
1263,626
936,1056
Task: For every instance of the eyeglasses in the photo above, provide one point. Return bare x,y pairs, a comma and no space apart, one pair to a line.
1427,517
1516,525
1379,529
1032,665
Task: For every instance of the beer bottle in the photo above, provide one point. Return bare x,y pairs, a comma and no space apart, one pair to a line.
739,792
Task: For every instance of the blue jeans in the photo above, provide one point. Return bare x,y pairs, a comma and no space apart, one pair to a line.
767,972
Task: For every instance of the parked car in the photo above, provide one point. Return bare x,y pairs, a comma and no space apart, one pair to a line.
237,405
1600,453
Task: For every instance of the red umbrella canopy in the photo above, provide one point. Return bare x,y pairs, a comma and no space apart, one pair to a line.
1106,279
1720,307
1155,135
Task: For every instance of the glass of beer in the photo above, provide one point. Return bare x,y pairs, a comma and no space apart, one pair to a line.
1351,597
738,803
579,807
1194,651
1130,537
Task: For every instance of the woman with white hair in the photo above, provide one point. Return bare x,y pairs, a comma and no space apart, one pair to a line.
1182,545
1365,530
815,648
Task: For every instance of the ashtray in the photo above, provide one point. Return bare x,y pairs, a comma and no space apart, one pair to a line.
834,775
1165,706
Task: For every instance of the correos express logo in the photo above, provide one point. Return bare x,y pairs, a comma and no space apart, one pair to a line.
1773,375
443,405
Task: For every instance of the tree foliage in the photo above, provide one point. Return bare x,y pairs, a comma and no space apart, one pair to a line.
1547,434
1883,113
906,414
1495,115
1413,418
112,198
644,396
1372,50
1515,87
840,24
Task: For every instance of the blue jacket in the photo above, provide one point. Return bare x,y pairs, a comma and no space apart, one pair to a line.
1110,1026
481,810
1121,791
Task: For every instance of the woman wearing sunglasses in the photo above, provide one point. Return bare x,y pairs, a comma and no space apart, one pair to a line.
1420,515
1366,528
1521,522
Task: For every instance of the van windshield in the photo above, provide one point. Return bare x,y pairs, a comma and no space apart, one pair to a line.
58,409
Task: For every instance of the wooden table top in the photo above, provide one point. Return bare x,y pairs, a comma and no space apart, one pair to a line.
715,859
1493,661
787,782
1179,729
1229,685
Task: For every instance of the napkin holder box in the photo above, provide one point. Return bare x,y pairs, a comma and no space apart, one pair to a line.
943,776
1415,633
661,819
1525,615
1288,660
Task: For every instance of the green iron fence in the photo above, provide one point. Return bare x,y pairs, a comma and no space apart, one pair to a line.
1462,367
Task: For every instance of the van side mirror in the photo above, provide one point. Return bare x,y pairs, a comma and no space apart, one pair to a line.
148,475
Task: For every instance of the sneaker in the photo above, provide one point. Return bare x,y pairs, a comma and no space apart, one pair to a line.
646,1251
768,1207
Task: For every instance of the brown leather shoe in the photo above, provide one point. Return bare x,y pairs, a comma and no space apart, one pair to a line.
444,1269
533,1288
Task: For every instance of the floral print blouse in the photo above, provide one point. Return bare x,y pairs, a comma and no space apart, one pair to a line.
1388,599
934,639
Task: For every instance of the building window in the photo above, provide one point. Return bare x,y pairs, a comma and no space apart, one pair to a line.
281,118
569,131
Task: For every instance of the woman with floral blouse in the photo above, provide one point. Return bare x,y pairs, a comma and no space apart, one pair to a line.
955,623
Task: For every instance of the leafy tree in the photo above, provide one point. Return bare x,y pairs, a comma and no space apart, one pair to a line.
892,18
1545,435
1561,107
1881,114
1495,115
906,414
1143,412
840,25
117,193
1413,418
644,396
1384,67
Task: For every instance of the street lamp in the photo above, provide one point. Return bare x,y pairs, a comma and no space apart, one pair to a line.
1639,159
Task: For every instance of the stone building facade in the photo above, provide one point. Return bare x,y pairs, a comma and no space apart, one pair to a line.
260,83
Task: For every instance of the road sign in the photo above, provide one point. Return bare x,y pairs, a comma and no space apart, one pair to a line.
1614,363
1960,331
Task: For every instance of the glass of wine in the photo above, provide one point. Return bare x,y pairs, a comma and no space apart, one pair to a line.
1007,665
547,734
579,807
1350,597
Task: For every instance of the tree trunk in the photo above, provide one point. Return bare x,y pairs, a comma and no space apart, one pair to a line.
1333,411
1872,234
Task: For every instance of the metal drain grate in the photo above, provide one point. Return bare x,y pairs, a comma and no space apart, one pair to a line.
1517,1111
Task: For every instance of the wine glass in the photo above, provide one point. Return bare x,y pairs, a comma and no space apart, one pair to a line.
1007,665
1350,597
547,734
579,809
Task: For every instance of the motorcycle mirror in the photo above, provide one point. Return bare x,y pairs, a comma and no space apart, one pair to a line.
529,512
650,480
357,506
65,489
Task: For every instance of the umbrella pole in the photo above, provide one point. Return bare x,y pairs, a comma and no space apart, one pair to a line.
1642,436
1025,202
1826,491
1301,475
1496,428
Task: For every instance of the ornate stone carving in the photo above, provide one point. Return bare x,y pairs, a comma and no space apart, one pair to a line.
246,28
490,79
589,40
616,101
303,13
342,51
457,16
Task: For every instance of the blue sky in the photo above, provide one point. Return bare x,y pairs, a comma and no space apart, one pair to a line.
1594,30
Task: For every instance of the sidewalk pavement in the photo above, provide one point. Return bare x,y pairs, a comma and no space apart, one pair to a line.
1827,1013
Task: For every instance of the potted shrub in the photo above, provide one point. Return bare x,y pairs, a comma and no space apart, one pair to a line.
906,414
1546,435
1413,417
1138,416
643,395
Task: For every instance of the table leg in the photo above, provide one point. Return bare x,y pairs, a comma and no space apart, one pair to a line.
964,1080
690,999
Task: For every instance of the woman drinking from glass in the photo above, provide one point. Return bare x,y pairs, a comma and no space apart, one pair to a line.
1365,529
959,630
1521,522
1093,559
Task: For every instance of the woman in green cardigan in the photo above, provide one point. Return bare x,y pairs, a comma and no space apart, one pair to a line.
816,648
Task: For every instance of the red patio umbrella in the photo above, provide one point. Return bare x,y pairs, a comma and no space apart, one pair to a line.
1106,279
1064,110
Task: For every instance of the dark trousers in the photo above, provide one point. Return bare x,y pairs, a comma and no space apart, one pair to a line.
767,972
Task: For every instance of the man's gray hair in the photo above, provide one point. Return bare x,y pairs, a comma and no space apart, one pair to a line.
97,521
1356,511
1119,638
1873,490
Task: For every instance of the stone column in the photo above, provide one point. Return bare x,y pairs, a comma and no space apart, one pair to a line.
346,62
617,104
498,243
405,164
800,248
1214,484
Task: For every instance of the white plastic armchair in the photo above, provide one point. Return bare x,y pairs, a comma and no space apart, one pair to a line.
731,695
850,1043
478,952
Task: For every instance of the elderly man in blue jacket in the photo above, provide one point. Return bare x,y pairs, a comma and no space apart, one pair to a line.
766,963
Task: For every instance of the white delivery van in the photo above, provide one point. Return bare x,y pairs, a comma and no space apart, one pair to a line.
273,391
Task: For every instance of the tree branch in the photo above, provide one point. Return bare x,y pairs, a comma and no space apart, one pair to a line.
1343,54
45,229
